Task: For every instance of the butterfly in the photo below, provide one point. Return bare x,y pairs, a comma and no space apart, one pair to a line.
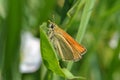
64,44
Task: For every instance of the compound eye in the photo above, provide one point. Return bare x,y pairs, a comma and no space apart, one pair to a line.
51,26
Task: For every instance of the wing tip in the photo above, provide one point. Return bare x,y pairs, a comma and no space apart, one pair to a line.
84,51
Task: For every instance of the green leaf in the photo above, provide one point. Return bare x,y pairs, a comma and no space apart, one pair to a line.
48,55
47,51
69,75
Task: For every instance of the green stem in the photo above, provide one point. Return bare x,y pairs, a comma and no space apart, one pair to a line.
84,21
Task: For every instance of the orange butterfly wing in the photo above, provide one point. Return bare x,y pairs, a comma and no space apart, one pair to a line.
77,49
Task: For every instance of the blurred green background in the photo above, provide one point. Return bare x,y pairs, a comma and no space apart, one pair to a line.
93,23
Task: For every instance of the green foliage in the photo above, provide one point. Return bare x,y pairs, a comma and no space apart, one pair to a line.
93,23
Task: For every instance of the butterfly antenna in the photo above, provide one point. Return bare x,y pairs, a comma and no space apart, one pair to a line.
53,18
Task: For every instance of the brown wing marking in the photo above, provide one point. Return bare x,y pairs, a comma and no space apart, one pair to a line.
66,49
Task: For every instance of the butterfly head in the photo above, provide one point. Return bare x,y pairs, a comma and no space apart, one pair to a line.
51,24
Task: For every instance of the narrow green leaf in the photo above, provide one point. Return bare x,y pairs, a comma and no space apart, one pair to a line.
12,28
83,23
85,18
